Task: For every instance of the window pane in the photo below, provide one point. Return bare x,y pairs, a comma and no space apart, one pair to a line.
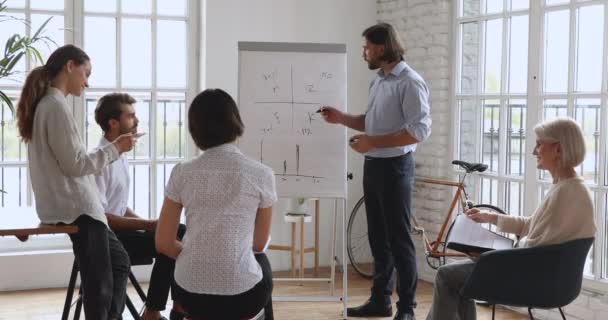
54,30
93,132
142,112
555,108
17,4
493,6
554,2
171,54
489,192
137,6
14,182
556,51
163,172
514,195
469,69
470,7
590,46
100,5
136,53
139,192
520,4
9,28
516,146
493,56
491,135
170,130
171,7
588,117
604,241
12,147
468,135
518,54
47,4
100,45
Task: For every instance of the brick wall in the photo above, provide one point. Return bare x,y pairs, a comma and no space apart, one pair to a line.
426,28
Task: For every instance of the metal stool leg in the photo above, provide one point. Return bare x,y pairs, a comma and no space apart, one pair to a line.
132,309
70,293
137,287
78,304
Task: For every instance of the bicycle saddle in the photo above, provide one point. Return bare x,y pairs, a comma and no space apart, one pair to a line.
471,167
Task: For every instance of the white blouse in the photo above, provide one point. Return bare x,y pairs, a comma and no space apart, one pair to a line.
60,167
221,191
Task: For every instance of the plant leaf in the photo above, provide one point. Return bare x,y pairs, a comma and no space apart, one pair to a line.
41,28
8,102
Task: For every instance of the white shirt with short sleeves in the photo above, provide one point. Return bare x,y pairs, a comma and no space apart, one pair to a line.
221,191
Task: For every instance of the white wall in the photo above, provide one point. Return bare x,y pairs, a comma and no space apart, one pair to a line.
318,21
225,23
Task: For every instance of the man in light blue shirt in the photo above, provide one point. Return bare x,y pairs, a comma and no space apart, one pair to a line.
397,118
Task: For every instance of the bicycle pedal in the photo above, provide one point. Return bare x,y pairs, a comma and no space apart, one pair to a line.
417,230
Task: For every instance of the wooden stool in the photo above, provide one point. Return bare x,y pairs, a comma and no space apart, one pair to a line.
298,249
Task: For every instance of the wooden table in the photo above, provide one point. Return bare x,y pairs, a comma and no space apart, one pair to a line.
23,222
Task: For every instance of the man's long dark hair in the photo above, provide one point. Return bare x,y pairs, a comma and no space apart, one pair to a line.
384,34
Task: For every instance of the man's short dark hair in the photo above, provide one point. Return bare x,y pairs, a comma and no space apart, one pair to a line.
109,107
384,34
214,119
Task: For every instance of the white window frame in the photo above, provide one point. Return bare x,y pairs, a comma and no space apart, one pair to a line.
535,97
74,23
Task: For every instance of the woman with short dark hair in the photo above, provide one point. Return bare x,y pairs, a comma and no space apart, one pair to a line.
228,200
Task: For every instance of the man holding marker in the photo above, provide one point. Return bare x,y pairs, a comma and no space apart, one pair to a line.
115,115
397,118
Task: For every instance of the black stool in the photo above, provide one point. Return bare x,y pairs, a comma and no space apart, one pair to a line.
135,261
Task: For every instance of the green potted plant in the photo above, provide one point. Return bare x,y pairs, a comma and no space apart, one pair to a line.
18,46
298,205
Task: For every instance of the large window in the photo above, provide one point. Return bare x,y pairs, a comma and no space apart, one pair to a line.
497,105
144,48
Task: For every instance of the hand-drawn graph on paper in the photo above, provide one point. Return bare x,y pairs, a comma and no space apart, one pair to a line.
291,166
281,86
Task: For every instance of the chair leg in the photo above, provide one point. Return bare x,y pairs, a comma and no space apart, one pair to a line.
68,297
493,311
562,313
530,313
137,287
132,309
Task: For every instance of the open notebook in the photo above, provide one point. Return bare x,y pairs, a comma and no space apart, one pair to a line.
470,236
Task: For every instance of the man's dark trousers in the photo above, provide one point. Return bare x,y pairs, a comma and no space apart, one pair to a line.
141,244
387,186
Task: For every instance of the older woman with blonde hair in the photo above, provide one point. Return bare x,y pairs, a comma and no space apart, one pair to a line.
566,213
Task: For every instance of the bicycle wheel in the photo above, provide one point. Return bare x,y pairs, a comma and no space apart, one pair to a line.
357,245
487,207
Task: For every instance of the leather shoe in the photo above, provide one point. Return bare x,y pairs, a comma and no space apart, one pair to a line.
404,316
370,309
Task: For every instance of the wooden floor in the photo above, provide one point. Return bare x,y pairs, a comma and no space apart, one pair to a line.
48,303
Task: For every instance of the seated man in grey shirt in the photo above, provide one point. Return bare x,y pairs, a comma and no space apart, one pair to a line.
115,115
